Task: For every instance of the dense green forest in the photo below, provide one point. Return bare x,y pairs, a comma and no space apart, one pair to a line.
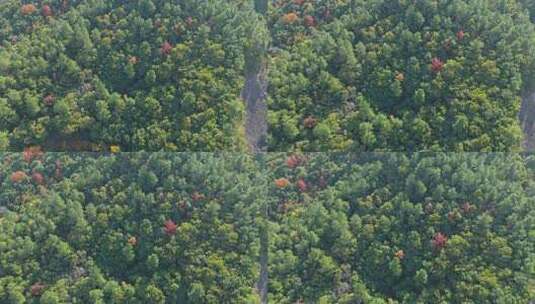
342,228
128,228
355,75
399,75
140,75
399,228
164,203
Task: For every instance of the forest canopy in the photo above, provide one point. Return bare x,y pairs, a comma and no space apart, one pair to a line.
401,228
127,228
142,75
398,75
342,228
349,75
174,208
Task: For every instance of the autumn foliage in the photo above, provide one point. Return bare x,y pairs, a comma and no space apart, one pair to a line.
309,21
38,178
28,9
293,161
18,176
437,65
32,152
110,58
460,35
170,227
290,18
132,240
166,48
37,289
310,122
376,216
46,11
439,241
282,183
302,185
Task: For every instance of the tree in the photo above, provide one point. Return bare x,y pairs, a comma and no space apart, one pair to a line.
402,89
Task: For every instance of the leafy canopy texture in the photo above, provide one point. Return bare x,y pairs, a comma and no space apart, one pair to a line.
398,228
398,75
142,75
341,228
348,75
131,228
352,75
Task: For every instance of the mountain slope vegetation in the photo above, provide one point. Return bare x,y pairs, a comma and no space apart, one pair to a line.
142,75
398,75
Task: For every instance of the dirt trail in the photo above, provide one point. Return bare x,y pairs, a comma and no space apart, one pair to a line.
527,121
254,95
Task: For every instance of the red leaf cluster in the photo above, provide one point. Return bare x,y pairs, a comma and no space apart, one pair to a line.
37,289
282,182
290,18
400,254
170,227
31,153
439,241
310,122
460,35
437,65
299,2
309,21
302,185
132,241
293,161
166,48
28,9
38,178
18,176
46,11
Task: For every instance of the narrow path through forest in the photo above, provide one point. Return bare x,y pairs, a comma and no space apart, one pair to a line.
254,95
527,121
